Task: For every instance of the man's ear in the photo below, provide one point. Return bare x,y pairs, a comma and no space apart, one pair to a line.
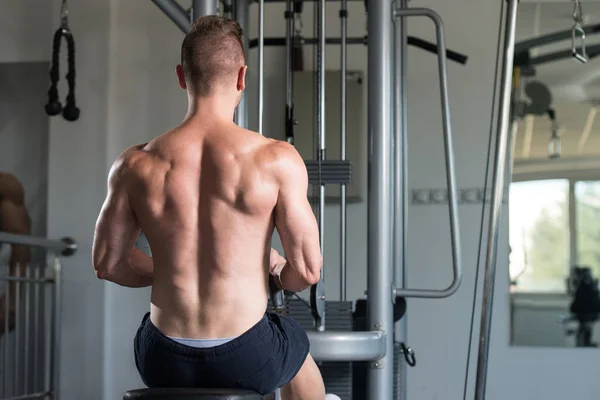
241,79
181,77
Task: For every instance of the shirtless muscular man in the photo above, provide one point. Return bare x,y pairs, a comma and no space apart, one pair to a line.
208,196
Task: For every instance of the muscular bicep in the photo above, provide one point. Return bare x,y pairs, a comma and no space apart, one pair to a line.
296,223
116,228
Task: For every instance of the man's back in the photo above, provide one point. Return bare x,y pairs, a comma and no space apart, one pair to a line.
204,198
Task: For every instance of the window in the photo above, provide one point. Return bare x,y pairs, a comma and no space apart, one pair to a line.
539,235
547,237
587,211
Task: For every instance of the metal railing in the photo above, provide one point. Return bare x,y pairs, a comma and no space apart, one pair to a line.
30,323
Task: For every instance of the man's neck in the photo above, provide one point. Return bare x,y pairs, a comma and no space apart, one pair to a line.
214,108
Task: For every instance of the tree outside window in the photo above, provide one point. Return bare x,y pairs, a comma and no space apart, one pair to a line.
587,210
539,235
539,232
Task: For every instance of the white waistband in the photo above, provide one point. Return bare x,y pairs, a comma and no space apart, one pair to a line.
201,343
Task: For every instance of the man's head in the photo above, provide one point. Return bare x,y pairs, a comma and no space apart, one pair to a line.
212,58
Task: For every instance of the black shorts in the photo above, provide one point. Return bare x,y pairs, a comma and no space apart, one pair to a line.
263,359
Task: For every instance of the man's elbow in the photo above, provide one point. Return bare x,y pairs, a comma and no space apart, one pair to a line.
103,269
312,279
101,272
313,271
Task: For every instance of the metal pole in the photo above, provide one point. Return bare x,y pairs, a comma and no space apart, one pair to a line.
200,8
404,144
400,173
309,41
379,274
65,246
320,120
343,83
573,256
321,108
36,331
410,40
242,12
289,22
6,338
27,322
17,332
55,321
289,92
261,62
175,12
48,296
497,195
399,146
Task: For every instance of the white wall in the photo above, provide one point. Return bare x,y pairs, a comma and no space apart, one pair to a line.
76,172
77,186
26,34
126,55
534,320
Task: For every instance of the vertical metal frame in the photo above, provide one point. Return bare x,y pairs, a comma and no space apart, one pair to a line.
502,139
379,258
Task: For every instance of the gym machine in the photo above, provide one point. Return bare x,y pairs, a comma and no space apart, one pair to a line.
387,189
585,306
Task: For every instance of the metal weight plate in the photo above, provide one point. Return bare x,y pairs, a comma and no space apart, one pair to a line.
317,300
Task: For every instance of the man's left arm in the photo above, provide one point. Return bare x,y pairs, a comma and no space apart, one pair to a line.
115,257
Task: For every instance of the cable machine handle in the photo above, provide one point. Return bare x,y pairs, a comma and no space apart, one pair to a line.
578,31
449,153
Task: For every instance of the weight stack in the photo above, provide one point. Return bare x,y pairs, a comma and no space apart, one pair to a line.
399,372
338,317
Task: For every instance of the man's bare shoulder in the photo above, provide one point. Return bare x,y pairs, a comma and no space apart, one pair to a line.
133,162
11,188
283,159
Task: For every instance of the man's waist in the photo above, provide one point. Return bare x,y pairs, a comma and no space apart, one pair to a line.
216,324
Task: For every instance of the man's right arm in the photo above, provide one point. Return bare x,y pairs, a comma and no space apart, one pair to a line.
296,223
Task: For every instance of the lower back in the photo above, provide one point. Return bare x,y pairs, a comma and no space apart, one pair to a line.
200,302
